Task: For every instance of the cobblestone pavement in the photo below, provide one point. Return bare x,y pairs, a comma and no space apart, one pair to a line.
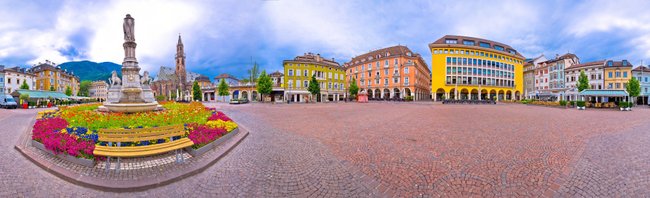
406,150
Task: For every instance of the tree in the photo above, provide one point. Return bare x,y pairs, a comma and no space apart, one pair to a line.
264,84
68,91
84,88
223,89
253,72
24,85
52,88
633,88
354,89
196,91
583,81
314,87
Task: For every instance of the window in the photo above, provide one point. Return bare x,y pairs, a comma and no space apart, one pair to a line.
468,42
624,74
385,81
406,70
297,72
610,74
396,62
618,74
297,84
451,41
610,63
435,51
496,47
395,80
484,44
512,51
305,83
406,80
385,71
386,62
306,73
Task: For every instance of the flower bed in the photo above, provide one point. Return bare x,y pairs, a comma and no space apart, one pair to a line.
73,130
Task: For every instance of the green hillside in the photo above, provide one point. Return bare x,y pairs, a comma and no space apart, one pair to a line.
88,70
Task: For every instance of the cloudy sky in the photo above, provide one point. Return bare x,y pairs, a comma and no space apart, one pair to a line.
226,36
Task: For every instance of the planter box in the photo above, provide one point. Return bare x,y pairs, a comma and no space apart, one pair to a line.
80,161
211,145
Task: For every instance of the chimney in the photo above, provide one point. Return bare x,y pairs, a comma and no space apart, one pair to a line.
557,56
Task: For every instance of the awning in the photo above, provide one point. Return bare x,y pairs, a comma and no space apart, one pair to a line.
35,94
606,93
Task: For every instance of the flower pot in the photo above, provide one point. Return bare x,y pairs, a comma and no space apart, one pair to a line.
622,109
25,106
628,109
69,158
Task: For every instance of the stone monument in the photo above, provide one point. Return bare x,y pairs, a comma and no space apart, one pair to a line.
130,93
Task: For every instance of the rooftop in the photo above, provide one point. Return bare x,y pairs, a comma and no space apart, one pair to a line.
475,42
315,58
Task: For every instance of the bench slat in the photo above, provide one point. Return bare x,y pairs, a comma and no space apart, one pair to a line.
144,153
140,148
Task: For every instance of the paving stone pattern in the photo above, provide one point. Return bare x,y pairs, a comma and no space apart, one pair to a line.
394,149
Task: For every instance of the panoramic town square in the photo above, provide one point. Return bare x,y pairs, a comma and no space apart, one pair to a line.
381,149
324,99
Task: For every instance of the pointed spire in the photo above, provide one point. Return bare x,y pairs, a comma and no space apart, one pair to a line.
179,39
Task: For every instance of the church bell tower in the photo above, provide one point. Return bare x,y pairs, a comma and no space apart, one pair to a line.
180,63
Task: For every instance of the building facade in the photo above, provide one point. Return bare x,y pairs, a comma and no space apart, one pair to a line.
329,74
51,77
2,79
617,74
277,78
642,74
99,90
550,78
474,68
594,71
392,72
529,75
14,78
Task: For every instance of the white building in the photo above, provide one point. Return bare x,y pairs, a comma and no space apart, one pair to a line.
15,76
554,83
642,73
99,90
529,75
593,70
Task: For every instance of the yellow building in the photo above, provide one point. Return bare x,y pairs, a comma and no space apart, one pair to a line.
329,74
462,67
617,74
50,77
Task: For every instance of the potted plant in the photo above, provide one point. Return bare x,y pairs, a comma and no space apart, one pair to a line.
622,106
563,103
629,106
581,105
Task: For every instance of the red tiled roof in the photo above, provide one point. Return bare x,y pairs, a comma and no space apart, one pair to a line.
315,58
587,64
641,68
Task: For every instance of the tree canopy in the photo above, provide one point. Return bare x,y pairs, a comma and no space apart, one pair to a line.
84,88
223,88
583,81
68,91
633,87
354,89
264,84
314,87
24,85
196,91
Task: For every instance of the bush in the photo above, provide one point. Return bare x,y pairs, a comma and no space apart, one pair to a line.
580,103
572,103
563,103
408,98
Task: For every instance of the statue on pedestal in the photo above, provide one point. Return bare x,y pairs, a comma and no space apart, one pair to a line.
129,26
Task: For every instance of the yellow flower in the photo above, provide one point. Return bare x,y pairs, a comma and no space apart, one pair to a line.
64,131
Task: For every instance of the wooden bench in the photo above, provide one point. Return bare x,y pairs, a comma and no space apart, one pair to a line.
115,137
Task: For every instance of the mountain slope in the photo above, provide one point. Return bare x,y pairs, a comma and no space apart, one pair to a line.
88,70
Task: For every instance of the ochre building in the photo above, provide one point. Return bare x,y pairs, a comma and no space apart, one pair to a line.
473,68
392,72
329,74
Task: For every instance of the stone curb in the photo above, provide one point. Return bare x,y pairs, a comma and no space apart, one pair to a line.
131,185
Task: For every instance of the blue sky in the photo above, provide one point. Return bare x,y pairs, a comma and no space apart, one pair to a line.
225,36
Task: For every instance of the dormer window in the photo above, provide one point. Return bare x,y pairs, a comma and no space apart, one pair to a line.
496,47
408,53
624,63
610,63
512,51
451,41
468,42
484,44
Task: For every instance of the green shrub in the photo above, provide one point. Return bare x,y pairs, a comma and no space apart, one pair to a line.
562,102
572,103
580,103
